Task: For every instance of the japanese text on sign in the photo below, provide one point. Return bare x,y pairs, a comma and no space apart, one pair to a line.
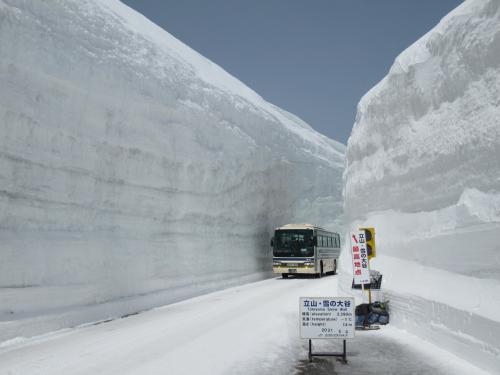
360,266
327,317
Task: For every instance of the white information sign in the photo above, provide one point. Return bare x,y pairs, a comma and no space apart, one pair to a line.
327,317
360,265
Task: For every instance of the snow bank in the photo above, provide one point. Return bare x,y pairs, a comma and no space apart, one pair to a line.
134,171
423,169
433,119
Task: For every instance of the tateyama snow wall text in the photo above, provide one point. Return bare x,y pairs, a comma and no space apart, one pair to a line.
133,171
423,168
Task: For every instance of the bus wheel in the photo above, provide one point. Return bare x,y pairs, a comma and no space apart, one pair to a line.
284,275
334,267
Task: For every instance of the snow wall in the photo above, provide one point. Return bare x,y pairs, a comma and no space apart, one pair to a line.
423,168
133,171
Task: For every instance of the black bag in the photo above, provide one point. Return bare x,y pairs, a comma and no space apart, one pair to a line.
374,313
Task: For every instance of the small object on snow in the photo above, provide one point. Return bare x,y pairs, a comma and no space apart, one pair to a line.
375,281
367,328
368,314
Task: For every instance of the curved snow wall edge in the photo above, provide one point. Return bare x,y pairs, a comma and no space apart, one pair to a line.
432,119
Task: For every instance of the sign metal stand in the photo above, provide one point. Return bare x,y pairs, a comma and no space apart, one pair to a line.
343,355
327,318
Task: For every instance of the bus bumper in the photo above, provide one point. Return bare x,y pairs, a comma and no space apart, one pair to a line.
295,269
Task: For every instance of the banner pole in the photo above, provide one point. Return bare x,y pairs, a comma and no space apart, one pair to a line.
369,290
362,292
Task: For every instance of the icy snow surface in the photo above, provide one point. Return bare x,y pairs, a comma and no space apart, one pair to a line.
135,172
250,329
423,168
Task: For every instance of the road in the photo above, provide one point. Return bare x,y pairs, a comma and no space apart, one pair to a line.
252,329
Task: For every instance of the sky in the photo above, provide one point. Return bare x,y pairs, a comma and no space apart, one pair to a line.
314,58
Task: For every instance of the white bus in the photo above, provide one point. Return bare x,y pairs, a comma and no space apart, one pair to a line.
304,249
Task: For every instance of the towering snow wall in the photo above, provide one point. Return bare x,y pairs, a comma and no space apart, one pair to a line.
133,171
423,168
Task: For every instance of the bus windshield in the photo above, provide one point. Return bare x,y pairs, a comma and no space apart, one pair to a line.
293,243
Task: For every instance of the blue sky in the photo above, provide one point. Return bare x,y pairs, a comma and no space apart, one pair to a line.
314,58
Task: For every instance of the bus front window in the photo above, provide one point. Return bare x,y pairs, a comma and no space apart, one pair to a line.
293,243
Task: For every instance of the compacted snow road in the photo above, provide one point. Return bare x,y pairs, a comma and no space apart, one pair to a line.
252,329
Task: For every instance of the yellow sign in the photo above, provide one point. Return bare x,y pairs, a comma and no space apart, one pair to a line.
370,242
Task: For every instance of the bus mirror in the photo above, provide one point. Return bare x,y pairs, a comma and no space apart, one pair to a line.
313,241
272,241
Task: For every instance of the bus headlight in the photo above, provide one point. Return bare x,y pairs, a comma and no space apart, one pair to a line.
276,263
308,263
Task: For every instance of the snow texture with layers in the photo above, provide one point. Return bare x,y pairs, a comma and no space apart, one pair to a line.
135,172
423,168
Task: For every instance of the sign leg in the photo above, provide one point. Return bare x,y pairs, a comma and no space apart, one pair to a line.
344,354
310,351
